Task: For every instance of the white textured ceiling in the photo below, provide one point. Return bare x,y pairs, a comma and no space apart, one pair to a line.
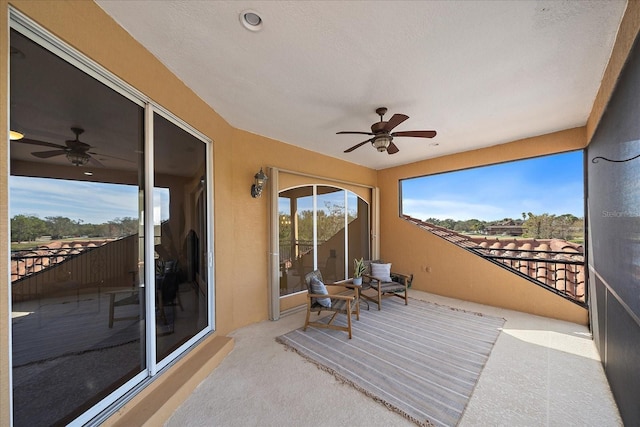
480,73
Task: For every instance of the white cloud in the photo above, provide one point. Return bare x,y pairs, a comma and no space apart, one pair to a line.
454,209
78,200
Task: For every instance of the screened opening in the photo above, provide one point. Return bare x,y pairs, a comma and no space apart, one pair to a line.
526,215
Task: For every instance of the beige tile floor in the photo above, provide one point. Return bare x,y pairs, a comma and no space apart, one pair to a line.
541,372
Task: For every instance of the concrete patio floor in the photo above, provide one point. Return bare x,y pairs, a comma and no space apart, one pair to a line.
541,372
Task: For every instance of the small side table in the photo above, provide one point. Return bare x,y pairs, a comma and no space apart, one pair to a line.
358,289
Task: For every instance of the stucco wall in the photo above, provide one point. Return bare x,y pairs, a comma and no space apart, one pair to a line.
241,221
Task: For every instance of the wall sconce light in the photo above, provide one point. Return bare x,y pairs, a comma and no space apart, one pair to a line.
260,180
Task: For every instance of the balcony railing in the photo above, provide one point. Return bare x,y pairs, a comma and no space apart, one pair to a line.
561,272
44,270
288,250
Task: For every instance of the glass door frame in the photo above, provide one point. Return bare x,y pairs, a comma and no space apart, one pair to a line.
274,226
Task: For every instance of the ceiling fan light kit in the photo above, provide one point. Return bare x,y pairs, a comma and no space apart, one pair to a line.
381,143
78,159
76,151
382,137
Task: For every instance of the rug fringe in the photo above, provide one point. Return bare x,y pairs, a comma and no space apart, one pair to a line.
460,309
343,380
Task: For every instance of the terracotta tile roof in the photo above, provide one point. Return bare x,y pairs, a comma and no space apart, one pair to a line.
25,263
556,263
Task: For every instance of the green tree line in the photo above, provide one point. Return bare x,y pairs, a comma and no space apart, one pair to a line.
330,221
543,226
26,228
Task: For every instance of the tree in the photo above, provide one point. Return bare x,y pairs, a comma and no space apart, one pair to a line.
563,226
539,226
546,226
27,228
60,226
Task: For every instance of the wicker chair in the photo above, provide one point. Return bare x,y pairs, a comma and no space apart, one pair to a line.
345,304
397,287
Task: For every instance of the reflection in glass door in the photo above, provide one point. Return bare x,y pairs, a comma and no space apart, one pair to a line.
87,326
330,225
180,241
77,299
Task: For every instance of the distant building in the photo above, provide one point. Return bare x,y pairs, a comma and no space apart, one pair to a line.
509,228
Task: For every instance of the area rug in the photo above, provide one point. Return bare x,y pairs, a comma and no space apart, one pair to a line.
421,360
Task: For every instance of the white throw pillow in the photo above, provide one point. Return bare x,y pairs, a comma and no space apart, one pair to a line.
381,271
318,288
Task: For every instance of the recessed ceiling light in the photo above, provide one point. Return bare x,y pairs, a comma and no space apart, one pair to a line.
251,20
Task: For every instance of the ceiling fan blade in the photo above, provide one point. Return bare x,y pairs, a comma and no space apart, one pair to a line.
392,148
41,143
95,162
354,133
348,150
416,133
110,157
395,121
47,154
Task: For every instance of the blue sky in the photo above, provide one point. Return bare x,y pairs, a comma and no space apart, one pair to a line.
550,184
335,198
91,202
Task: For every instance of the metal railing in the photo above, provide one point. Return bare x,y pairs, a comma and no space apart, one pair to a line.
301,247
562,272
44,270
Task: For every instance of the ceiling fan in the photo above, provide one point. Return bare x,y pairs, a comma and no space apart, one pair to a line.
76,151
383,137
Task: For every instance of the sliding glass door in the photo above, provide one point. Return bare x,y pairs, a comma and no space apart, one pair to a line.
180,237
110,235
320,227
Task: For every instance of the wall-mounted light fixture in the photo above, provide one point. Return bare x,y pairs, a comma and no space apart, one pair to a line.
260,180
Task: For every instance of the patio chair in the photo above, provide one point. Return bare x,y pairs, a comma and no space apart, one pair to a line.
379,277
319,299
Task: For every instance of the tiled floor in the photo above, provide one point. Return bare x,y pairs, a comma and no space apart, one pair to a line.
541,372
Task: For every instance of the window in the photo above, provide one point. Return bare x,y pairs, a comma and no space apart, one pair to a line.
320,227
110,244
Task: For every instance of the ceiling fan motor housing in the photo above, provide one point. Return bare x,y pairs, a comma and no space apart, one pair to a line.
382,139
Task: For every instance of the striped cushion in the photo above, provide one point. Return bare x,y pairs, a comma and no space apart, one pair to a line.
381,271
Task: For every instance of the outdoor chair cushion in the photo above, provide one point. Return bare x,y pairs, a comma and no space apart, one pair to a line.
381,271
317,287
385,283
